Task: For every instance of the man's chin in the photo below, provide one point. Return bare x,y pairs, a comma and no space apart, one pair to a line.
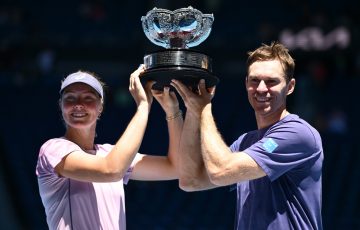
263,112
263,109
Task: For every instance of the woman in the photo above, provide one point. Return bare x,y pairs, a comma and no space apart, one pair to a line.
80,182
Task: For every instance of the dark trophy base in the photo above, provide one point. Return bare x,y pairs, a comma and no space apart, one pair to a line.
187,66
188,76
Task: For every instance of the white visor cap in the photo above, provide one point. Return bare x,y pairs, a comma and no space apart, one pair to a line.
83,78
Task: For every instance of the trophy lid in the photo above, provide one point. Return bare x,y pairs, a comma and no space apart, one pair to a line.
181,28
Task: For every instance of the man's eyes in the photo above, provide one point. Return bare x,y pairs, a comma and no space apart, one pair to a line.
270,82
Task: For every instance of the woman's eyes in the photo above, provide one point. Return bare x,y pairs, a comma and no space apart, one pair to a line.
88,98
69,98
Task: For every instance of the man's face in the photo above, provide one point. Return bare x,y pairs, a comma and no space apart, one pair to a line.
267,88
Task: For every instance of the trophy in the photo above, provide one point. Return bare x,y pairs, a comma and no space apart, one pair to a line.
177,31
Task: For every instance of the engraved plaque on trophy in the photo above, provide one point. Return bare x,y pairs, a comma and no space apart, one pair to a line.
177,31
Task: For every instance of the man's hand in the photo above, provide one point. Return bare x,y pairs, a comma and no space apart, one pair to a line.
194,101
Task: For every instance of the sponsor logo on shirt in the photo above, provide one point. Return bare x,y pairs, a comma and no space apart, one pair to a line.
270,145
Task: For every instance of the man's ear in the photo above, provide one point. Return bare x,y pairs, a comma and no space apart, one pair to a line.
291,86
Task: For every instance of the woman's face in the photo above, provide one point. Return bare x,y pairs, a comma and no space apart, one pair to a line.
81,106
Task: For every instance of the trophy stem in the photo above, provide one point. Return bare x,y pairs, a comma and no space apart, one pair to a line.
177,43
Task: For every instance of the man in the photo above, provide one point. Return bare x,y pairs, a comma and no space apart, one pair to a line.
277,167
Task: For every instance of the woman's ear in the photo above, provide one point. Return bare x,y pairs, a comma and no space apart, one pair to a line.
101,108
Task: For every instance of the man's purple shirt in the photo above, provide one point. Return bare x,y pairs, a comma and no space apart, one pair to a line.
289,196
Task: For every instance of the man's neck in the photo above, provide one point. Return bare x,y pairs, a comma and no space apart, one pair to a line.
266,121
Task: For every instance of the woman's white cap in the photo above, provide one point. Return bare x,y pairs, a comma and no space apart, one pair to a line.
83,78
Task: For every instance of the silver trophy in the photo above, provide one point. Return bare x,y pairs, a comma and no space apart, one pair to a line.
177,31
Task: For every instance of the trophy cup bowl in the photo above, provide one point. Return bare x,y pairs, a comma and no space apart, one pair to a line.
177,31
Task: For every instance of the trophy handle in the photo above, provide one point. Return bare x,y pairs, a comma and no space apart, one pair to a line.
182,28
204,32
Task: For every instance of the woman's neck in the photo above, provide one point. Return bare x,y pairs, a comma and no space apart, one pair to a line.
83,138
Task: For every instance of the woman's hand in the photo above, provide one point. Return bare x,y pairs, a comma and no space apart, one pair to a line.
141,95
168,101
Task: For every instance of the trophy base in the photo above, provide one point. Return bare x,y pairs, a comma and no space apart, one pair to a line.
187,75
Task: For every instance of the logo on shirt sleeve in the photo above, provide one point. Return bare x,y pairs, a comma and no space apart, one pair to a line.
270,145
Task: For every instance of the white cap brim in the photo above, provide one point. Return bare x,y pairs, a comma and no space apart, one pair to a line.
83,77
